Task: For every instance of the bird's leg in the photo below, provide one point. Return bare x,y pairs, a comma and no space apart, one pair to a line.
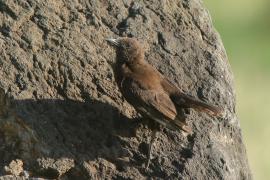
152,140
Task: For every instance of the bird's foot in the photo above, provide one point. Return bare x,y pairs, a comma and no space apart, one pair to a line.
147,163
152,141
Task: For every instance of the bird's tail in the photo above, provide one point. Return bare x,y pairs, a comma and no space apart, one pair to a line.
186,101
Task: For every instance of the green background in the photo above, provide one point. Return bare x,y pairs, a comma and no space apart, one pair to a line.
244,26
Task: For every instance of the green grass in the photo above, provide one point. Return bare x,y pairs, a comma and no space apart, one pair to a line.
244,27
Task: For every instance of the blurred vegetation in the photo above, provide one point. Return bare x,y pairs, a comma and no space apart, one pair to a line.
244,26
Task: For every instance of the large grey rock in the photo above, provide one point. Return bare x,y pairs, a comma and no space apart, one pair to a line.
63,116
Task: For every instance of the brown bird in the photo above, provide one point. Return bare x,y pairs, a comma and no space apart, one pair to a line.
151,94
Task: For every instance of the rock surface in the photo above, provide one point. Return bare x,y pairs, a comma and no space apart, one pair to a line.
63,116
15,167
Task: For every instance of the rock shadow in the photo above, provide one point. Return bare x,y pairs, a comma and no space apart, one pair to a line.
82,131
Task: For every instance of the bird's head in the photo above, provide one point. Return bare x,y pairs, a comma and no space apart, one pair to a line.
129,50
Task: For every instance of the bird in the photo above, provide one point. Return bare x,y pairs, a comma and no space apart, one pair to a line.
152,94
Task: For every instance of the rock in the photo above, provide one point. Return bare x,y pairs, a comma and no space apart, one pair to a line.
50,168
11,177
62,114
15,167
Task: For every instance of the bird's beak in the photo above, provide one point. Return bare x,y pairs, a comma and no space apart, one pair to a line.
114,42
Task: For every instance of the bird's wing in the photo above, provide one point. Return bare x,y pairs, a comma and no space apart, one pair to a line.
186,101
156,100
157,105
